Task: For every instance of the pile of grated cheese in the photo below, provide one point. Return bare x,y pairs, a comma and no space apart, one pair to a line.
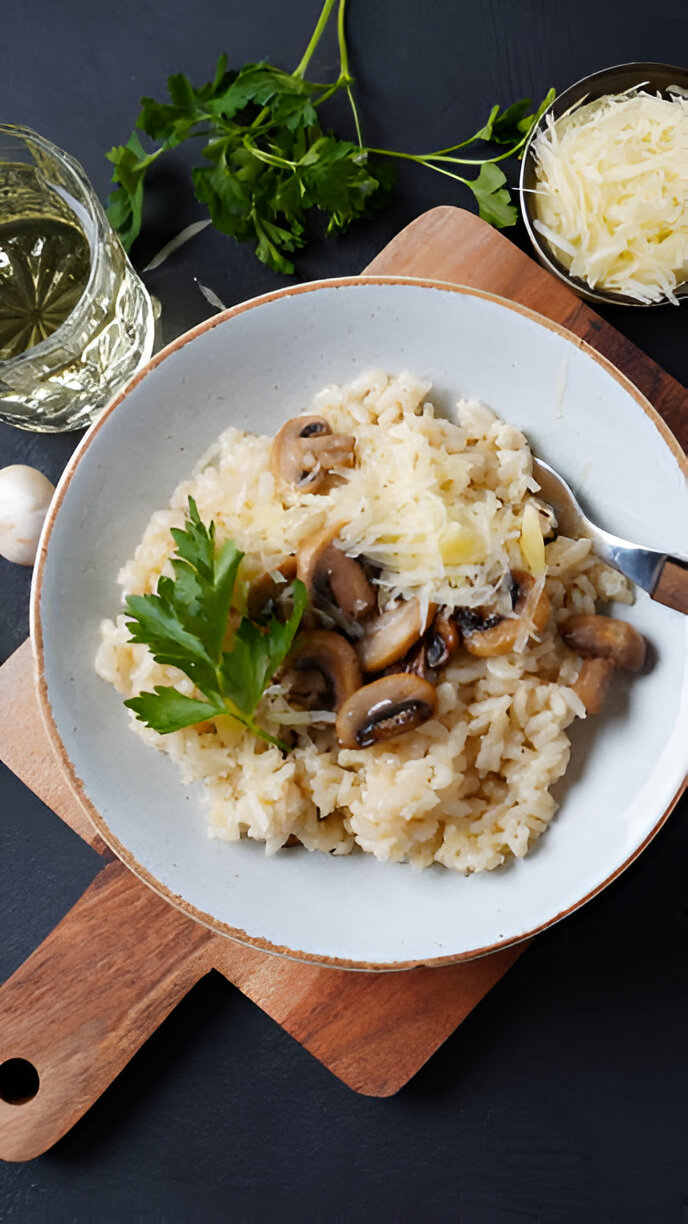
445,509
612,195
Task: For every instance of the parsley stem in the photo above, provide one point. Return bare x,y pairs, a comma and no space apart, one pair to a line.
329,90
467,161
315,38
270,159
255,729
452,148
341,39
260,117
471,161
354,112
449,173
421,160
345,77
270,739
428,159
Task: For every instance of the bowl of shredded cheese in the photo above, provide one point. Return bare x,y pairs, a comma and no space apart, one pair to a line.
604,186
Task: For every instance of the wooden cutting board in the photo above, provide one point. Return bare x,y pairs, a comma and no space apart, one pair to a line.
76,1012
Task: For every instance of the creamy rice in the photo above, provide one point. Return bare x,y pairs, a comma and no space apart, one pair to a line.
470,787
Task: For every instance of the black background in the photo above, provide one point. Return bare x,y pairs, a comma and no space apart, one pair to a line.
563,1097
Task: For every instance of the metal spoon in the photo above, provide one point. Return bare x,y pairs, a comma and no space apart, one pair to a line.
663,576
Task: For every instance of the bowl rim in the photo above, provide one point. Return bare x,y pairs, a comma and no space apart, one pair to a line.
575,93
38,646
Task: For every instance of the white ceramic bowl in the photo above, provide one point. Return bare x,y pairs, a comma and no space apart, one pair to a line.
253,367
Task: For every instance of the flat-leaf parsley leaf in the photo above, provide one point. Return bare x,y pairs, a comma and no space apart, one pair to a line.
184,625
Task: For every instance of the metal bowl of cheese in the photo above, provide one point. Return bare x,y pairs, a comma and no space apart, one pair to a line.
603,193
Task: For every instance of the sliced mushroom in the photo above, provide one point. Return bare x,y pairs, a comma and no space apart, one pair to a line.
501,638
431,651
385,708
604,637
330,655
264,594
440,640
415,661
309,687
390,635
593,682
335,582
467,620
305,450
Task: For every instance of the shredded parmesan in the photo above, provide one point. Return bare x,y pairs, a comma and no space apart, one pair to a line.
532,541
612,195
436,505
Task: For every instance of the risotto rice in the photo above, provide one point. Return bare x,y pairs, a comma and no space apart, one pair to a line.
437,506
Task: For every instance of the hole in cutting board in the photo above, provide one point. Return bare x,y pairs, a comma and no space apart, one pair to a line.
19,1081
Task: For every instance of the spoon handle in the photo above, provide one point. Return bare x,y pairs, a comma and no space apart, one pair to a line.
671,587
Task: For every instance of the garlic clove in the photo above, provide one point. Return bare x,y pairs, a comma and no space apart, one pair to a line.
25,495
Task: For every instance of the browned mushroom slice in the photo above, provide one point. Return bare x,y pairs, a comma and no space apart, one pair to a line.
430,652
385,708
440,640
305,450
593,682
334,581
309,687
467,620
414,661
604,637
329,655
390,635
500,638
264,594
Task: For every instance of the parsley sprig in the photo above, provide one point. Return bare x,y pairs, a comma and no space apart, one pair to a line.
269,161
184,625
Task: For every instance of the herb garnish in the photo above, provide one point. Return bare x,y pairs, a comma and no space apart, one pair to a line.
184,625
271,161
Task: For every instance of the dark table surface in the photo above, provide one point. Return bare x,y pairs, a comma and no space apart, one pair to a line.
563,1097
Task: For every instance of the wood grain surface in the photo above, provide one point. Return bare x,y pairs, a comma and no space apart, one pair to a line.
80,1006
85,1001
672,587
26,750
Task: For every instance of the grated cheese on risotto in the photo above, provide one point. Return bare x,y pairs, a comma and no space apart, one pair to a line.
444,511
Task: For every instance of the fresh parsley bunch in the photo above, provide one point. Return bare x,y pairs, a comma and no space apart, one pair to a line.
269,161
184,625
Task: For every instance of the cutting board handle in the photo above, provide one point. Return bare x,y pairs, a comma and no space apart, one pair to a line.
75,1012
